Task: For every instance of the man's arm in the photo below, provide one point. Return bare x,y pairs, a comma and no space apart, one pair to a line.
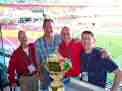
117,79
11,70
105,53
111,67
40,65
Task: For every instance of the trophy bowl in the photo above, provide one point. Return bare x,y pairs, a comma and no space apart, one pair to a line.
56,73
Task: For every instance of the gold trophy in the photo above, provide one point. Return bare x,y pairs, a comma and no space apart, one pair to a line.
56,72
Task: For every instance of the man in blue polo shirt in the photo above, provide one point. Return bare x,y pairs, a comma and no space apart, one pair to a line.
96,66
45,46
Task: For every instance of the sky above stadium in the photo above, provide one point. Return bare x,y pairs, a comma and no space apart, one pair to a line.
88,2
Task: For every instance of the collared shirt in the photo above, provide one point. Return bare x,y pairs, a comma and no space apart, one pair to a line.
72,51
26,50
19,62
44,49
97,67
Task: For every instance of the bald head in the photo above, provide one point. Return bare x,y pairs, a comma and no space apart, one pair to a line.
65,33
22,37
65,29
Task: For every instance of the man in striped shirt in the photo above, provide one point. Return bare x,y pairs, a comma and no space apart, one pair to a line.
45,46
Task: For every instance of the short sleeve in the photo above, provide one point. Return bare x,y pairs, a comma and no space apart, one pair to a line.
109,65
38,51
57,39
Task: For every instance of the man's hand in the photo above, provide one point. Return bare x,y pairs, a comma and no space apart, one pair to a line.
62,65
39,76
61,58
14,84
66,65
105,53
39,73
117,79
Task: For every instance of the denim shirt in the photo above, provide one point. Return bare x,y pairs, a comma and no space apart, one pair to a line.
43,50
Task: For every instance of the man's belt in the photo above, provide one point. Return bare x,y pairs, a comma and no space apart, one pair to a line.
27,74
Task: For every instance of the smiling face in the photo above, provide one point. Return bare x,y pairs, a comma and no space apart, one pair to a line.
22,37
65,33
48,27
88,40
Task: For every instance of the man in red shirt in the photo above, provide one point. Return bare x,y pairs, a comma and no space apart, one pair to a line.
23,64
71,49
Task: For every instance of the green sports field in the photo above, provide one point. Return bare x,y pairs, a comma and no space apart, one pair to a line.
114,44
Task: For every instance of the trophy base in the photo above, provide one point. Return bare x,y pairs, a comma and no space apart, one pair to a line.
56,89
56,86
